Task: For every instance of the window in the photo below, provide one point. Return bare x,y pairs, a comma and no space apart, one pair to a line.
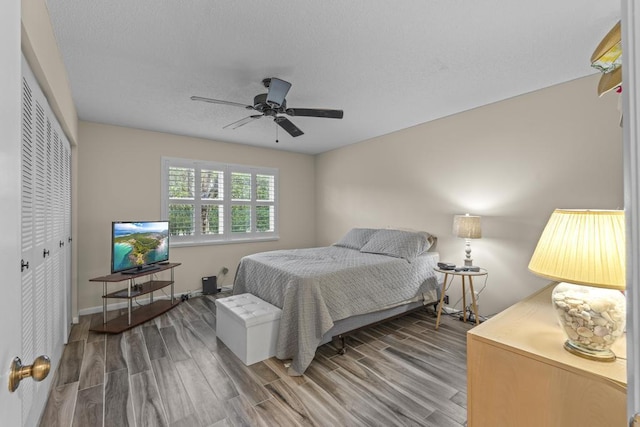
209,203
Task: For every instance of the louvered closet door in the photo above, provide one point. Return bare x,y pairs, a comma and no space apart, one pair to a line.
46,213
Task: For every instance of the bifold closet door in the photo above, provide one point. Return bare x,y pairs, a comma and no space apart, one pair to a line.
45,240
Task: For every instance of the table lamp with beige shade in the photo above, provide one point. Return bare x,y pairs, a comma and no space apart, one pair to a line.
584,250
468,227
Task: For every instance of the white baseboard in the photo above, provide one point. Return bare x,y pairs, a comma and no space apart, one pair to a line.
143,299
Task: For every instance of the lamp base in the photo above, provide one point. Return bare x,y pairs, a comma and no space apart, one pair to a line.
598,356
592,319
468,262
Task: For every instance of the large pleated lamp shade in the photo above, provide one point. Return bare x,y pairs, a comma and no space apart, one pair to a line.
585,247
585,251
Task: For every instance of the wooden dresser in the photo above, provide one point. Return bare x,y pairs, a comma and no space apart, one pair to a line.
519,374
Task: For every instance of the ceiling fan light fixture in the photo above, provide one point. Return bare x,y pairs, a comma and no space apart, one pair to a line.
278,90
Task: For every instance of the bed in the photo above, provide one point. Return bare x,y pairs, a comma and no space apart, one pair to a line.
369,275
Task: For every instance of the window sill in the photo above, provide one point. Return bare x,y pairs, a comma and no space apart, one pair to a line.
271,238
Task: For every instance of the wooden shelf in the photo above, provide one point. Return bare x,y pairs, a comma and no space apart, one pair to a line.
138,317
120,277
144,288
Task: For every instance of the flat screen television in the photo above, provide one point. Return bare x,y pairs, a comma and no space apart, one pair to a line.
137,246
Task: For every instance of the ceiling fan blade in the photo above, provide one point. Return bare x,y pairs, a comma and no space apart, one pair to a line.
278,90
285,124
218,101
315,112
242,122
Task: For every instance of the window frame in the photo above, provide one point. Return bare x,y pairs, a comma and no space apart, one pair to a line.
227,236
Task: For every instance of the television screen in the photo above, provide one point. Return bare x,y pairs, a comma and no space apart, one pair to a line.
137,245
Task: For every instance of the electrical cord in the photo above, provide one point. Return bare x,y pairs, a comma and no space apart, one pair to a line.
136,286
135,299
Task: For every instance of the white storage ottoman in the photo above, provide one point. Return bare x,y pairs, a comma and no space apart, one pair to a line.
248,326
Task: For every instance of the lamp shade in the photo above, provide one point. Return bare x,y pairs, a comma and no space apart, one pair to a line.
467,226
585,247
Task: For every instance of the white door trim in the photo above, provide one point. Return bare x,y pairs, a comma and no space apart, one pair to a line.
10,166
631,119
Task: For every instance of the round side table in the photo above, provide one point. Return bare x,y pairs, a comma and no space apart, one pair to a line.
466,276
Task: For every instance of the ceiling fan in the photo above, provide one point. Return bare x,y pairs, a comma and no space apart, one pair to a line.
273,104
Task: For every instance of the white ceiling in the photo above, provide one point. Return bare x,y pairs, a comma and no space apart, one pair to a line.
388,64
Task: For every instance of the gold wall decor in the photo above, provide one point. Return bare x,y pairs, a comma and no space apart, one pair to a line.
608,59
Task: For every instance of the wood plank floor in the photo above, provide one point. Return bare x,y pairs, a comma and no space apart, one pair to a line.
173,371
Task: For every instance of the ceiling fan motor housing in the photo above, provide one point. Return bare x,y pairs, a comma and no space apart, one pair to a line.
260,104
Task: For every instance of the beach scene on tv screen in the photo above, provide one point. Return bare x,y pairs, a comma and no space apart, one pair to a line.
138,243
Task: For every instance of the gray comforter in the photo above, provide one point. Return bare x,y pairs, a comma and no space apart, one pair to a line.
318,286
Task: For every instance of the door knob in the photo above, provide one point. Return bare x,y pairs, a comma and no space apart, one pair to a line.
38,371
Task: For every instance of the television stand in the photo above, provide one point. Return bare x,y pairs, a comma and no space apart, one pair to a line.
142,314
